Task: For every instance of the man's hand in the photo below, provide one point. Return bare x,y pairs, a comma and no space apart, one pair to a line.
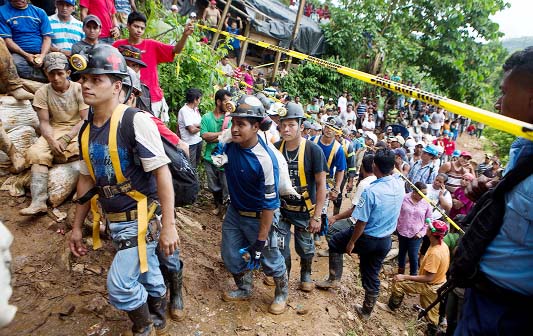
57,146
37,60
75,243
349,186
421,234
254,254
332,220
115,32
169,239
333,194
478,187
314,225
350,247
399,277
189,29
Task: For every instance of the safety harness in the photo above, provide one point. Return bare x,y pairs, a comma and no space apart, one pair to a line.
141,199
301,173
334,150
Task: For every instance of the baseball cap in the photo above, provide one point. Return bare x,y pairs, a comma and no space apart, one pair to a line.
456,153
410,143
213,2
360,131
132,53
401,153
431,150
318,127
330,99
466,154
90,18
389,128
307,125
372,137
439,229
55,61
315,100
70,2
321,97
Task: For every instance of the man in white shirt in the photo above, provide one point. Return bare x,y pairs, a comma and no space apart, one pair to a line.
438,194
189,120
342,102
437,120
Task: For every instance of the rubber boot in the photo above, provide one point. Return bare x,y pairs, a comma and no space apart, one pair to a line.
365,310
335,272
39,195
401,270
244,282
18,163
142,322
306,284
21,94
158,312
281,294
395,301
175,281
217,197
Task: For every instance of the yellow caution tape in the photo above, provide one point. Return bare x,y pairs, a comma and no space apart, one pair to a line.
503,123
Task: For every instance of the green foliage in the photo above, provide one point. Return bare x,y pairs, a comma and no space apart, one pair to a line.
498,143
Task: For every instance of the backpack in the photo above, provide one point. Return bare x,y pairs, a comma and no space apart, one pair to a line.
184,179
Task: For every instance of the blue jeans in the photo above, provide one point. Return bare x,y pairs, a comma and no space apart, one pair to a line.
372,251
172,263
27,70
303,240
338,226
487,316
128,289
239,232
410,247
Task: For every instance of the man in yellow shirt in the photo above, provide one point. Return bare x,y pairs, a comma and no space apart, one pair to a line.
432,275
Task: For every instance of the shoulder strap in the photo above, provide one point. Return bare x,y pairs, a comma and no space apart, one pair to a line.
316,139
334,150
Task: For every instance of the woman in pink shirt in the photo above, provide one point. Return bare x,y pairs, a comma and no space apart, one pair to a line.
249,79
411,228
461,204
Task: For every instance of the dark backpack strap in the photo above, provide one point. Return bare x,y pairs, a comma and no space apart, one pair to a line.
85,124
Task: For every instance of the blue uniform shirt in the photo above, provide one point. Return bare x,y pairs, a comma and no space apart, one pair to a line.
253,177
379,206
26,27
508,260
339,160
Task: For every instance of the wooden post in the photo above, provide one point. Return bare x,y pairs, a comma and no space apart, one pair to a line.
244,47
276,65
221,24
296,29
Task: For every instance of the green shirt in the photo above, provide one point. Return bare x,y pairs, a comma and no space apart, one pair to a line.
210,124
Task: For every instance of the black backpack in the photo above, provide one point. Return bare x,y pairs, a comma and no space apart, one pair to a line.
184,178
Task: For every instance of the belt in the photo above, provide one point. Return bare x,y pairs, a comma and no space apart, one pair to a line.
373,238
295,208
107,191
130,215
133,242
251,214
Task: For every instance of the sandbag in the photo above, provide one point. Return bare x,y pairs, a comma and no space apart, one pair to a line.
62,180
7,311
15,113
22,138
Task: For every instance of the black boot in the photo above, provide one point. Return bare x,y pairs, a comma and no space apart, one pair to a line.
365,310
279,305
335,272
306,284
244,282
142,322
158,312
217,198
395,302
175,284
288,264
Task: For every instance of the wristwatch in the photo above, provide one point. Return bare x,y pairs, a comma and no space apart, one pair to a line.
317,219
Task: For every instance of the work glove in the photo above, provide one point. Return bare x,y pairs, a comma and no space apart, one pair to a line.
252,254
324,226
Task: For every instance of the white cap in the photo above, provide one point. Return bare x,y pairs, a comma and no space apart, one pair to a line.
410,143
371,136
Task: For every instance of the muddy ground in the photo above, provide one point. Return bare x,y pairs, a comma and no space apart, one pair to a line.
57,294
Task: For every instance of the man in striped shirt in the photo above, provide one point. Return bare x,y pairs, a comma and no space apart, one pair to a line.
66,29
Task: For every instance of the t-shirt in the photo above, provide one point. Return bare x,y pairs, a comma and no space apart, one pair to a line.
369,125
253,177
63,108
379,206
236,44
123,6
80,47
66,33
148,147
187,117
153,53
339,159
342,103
312,108
104,10
436,261
26,27
210,123
314,162
433,195
437,119
362,187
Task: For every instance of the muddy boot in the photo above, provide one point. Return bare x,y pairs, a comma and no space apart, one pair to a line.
175,280
431,329
401,270
18,163
365,310
217,197
288,265
39,195
21,94
158,313
335,272
306,284
395,302
269,281
142,322
279,305
244,282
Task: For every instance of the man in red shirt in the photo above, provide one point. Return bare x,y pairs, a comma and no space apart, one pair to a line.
105,11
153,53
449,146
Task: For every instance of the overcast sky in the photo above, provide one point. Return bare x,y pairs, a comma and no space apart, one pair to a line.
516,21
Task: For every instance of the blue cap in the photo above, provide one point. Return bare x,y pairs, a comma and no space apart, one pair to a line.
431,150
456,153
401,153
70,2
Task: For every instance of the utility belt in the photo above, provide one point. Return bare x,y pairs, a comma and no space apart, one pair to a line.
108,191
250,214
154,209
500,294
154,228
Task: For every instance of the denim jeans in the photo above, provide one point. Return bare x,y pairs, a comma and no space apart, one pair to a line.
338,226
128,289
172,263
372,251
303,240
195,154
27,70
239,232
410,247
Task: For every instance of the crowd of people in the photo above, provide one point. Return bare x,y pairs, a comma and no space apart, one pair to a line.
273,166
